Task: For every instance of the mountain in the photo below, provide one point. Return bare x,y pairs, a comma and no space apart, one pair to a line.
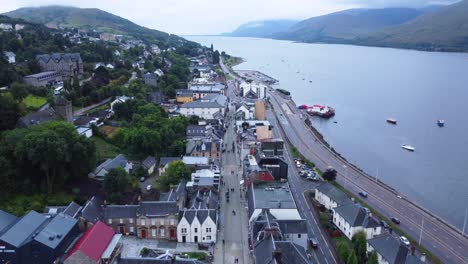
347,25
261,29
90,19
444,29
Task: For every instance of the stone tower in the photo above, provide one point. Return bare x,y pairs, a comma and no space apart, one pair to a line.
64,109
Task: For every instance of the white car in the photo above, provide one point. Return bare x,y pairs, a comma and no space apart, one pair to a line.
148,187
404,240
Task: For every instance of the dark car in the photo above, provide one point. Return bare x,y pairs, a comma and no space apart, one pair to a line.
383,224
363,194
396,220
313,243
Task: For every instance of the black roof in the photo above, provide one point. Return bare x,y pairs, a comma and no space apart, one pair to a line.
149,162
72,209
120,211
158,208
291,252
83,120
6,220
92,211
38,117
390,248
99,113
163,161
293,226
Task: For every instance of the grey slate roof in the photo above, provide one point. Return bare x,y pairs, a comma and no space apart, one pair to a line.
149,162
72,209
163,161
331,191
178,193
56,230
263,251
356,215
57,56
119,161
120,211
158,208
92,211
196,131
6,220
184,93
38,117
293,226
40,74
200,104
390,248
83,121
291,252
200,214
22,231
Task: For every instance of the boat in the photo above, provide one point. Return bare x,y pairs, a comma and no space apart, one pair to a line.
408,147
310,81
440,122
392,121
321,110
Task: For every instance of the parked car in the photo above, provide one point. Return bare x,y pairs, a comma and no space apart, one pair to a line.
363,194
404,240
148,187
298,164
395,220
313,243
312,178
142,179
383,224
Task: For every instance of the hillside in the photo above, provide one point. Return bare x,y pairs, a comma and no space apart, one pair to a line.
261,29
445,29
92,19
345,26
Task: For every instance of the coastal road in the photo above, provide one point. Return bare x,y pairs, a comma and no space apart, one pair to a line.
438,237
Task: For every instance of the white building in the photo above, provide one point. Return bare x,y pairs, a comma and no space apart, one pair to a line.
84,131
155,49
202,109
330,197
253,90
197,226
390,250
118,100
352,218
10,56
245,112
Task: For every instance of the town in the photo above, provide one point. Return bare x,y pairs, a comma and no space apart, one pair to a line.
119,149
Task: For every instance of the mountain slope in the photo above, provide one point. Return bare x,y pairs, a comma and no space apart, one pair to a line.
89,19
445,29
261,29
345,26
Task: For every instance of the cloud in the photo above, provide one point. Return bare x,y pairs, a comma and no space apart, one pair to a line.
213,16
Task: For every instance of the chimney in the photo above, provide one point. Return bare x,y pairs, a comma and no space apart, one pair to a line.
423,257
277,255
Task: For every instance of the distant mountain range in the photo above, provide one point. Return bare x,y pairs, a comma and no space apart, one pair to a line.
443,28
89,19
262,29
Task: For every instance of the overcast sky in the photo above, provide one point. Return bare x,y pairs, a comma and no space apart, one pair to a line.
213,16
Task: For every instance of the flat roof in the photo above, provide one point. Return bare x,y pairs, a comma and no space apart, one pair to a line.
110,248
275,195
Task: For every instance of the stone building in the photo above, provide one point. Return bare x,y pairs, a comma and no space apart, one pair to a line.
68,65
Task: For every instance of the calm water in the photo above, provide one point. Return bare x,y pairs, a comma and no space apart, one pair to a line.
366,86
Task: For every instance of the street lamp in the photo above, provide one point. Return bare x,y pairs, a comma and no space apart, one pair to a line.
464,222
345,174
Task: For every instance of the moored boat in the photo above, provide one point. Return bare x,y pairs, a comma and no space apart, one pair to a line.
392,121
440,122
408,147
321,110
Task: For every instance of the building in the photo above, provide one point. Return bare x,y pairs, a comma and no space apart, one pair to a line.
259,110
84,131
205,176
196,131
245,112
119,161
330,197
6,220
149,219
37,118
184,96
149,164
10,56
36,238
264,132
164,163
150,79
68,65
197,226
90,214
155,97
64,109
155,49
272,147
107,37
390,250
202,90
119,100
203,148
244,125
352,218
176,194
253,90
264,169
47,78
205,110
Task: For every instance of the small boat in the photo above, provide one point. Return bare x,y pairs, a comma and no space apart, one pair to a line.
408,147
392,121
440,122
310,81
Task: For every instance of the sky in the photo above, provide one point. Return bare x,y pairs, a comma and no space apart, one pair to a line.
196,17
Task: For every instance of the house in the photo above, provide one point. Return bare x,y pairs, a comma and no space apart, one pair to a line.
159,72
150,79
202,90
149,163
204,199
202,109
196,131
390,250
91,213
91,246
149,219
352,218
155,49
200,175
164,162
197,226
107,37
203,148
102,114
36,238
10,56
68,64
84,131
72,210
47,78
244,112
119,161
118,100
195,163
272,147
155,97
330,197
253,90
85,121
184,96
6,220
176,194
37,118
244,125
258,168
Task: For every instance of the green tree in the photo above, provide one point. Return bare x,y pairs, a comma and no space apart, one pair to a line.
360,246
140,172
19,91
352,259
175,172
343,251
373,258
330,174
10,112
215,57
116,182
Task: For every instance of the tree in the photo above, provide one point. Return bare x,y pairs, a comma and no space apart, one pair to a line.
343,251
10,112
115,182
352,259
175,172
140,172
330,174
360,246
373,258
215,57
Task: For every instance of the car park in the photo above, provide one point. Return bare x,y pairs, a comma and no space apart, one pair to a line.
363,194
395,220
404,240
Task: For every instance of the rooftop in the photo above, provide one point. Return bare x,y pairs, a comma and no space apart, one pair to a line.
390,248
56,230
94,241
163,161
200,104
23,230
334,194
6,220
272,195
195,160
40,74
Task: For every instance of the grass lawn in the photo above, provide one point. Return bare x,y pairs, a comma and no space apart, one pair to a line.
21,204
195,255
104,150
101,107
34,101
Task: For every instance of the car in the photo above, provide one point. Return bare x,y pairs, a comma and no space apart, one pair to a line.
404,240
363,194
142,179
313,243
298,164
149,187
395,220
383,224
312,178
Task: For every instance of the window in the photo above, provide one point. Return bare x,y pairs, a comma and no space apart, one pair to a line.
109,221
208,237
121,220
132,229
153,221
142,222
196,230
184,230
162,232
161,221
172,222
208,229
298,235
130,220
153,232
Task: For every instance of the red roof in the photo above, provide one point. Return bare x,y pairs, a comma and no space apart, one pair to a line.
94,241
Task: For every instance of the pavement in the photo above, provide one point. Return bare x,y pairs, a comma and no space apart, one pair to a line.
442,240
131,246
